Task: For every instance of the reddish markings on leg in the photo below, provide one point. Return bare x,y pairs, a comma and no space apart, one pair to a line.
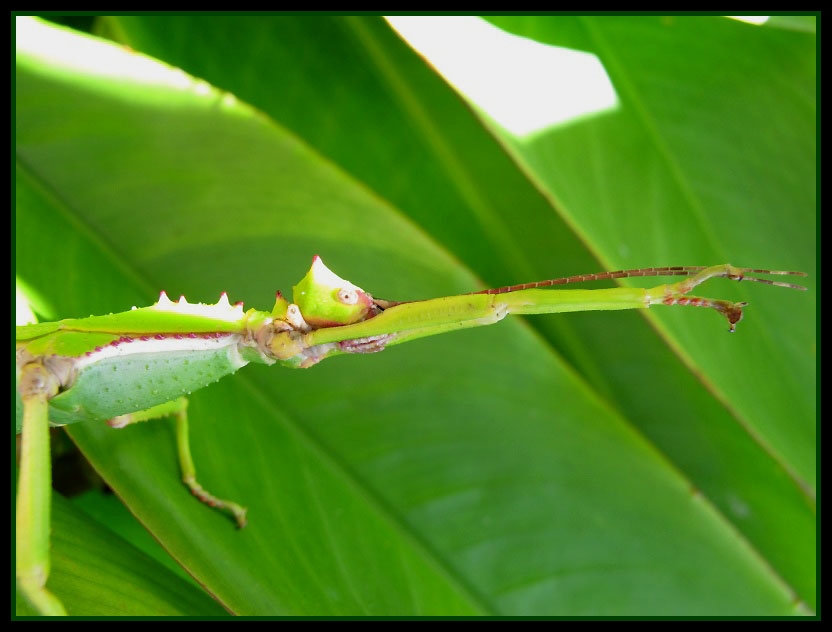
598,276
693,301
238,512
731,311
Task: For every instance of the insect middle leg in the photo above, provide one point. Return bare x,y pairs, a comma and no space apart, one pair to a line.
178,408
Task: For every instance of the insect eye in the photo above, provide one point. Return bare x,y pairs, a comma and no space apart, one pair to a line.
347,296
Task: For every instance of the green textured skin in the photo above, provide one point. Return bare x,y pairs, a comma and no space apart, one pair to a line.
120,385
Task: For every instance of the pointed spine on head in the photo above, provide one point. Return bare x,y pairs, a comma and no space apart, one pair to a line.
327,300
280,306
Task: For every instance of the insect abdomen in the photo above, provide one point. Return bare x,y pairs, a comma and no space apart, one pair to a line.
112,385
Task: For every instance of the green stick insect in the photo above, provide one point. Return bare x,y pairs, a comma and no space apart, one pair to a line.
139,365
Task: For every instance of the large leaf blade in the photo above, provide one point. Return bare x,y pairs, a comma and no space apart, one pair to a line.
349,434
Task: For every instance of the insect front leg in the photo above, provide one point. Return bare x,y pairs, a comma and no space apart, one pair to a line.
370,344
178,408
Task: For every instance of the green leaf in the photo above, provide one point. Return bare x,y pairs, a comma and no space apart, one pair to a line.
96,573
610,464
807,23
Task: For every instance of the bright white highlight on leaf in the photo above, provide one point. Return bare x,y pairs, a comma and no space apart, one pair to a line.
28,302
68,48
525,86
23,313
750,19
